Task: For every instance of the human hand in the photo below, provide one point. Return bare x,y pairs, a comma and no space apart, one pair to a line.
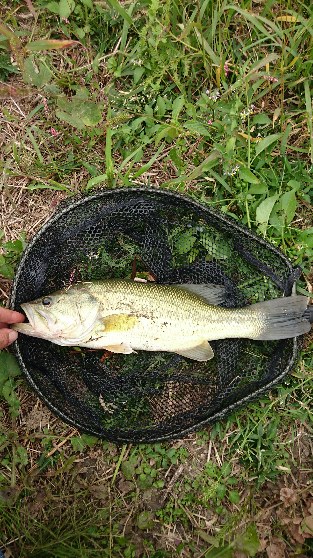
7,335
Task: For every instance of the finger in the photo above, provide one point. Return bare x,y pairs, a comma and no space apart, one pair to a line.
7,336
11,316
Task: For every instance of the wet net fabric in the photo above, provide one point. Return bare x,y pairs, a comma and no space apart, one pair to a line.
170,239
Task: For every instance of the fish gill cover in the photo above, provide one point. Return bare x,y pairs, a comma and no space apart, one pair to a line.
167,238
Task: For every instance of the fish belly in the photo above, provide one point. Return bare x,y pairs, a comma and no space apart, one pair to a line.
148,334
156,319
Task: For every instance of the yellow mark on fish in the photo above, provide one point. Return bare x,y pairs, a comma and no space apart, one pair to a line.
119,322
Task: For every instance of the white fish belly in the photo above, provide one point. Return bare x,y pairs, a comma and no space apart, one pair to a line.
149,334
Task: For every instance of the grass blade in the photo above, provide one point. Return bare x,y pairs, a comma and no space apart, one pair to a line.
6,32
149,163
108,155
220,179
120,10
132,155
126,26
52,185
266,142
308,106
205,45
49,44
258,21
96,180
35,145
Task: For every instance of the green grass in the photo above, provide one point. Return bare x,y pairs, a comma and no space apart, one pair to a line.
211,99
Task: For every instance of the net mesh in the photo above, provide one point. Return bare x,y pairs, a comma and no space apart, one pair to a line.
170,239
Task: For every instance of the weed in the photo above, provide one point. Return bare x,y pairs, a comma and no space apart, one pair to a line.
6,68
11,253
9,372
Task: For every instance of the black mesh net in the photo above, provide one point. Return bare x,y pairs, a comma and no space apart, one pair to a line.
170,239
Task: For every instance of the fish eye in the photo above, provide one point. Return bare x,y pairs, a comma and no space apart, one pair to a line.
46,301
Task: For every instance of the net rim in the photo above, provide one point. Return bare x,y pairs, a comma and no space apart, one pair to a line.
76,201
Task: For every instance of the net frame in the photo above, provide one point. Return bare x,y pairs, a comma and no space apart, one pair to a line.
167,428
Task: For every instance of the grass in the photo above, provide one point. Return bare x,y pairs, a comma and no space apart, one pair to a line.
211,99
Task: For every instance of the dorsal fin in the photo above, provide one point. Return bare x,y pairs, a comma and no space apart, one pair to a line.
212,294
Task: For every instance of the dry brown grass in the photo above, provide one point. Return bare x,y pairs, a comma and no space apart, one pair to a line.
92,479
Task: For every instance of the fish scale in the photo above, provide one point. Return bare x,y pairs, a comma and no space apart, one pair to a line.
124,316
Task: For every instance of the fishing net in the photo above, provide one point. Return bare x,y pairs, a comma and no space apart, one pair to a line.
164,237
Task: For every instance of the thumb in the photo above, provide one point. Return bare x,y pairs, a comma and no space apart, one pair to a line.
7,336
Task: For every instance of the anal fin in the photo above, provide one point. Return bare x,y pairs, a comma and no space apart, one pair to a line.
201,352
122,348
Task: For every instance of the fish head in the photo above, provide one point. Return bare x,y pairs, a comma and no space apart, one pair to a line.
65,317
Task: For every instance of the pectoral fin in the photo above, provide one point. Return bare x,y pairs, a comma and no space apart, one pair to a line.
119,322
200,352
122,348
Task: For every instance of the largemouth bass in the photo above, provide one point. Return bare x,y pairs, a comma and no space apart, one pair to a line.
125,316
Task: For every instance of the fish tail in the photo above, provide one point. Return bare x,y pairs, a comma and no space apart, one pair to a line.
280,318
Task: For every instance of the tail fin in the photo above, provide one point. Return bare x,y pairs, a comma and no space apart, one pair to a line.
282,318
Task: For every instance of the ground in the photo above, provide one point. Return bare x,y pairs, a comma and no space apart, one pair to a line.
210,100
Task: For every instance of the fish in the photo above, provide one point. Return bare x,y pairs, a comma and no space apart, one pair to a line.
125,316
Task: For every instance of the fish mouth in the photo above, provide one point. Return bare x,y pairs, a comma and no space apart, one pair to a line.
31,315
29,326
26,327
28,311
